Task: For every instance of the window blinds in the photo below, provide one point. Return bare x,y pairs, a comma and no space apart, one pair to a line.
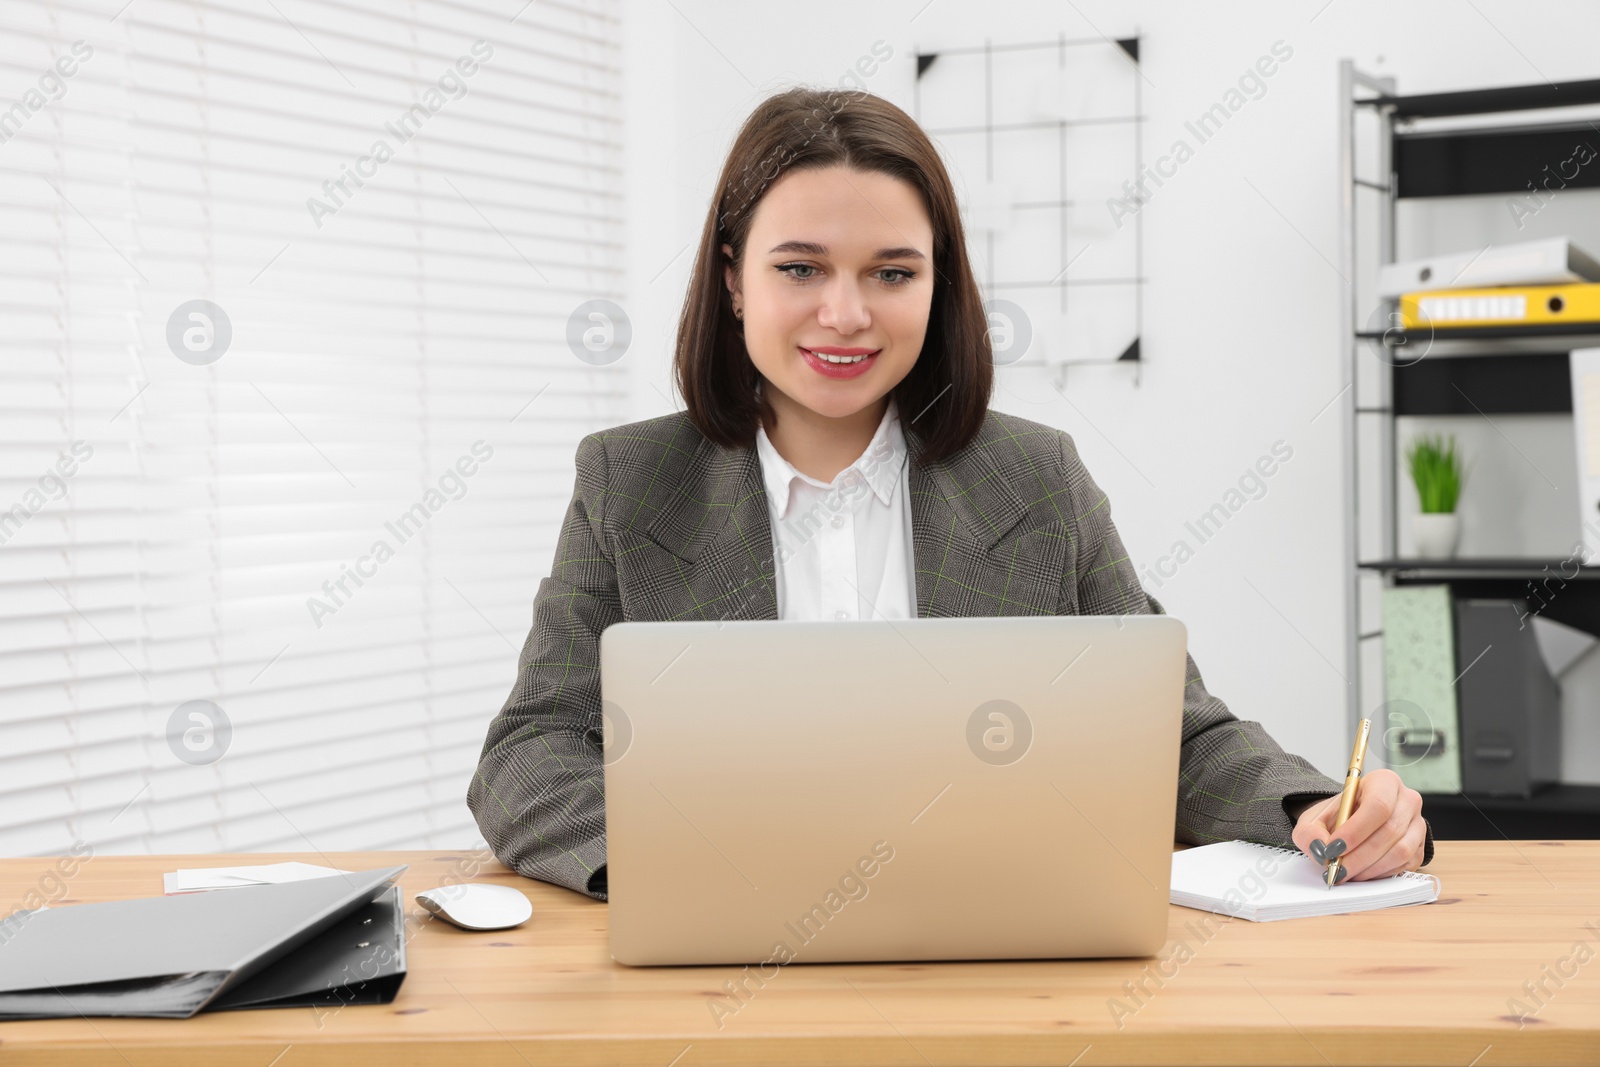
287,406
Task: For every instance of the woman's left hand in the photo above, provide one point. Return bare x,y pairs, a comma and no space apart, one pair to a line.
1384,835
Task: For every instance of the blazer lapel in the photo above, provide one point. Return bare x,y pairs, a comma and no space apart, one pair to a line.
717,531
974,554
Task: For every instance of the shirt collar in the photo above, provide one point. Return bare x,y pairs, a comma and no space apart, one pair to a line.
879,465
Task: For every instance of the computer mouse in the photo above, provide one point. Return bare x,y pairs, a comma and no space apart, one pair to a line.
477,905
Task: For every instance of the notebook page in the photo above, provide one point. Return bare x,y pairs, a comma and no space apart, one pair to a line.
1249,879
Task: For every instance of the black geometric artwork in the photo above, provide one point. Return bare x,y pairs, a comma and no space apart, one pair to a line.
1043,141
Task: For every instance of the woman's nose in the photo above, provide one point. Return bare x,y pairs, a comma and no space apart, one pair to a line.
844,310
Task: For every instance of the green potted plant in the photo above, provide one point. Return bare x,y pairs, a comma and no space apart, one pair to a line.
1437,473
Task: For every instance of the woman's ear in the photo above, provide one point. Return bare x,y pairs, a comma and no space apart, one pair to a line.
729,278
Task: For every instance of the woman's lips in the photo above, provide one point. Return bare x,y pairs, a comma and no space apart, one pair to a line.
838,370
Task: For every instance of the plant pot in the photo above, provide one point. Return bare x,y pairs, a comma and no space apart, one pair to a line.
1436,534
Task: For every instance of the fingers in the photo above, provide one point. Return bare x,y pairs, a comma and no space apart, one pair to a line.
1384,831
1406,855
1370,809
1380,815
1384,835
1313,824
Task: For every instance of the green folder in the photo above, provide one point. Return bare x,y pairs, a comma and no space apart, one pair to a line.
1420,725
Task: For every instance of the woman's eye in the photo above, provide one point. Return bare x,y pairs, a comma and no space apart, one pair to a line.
898,277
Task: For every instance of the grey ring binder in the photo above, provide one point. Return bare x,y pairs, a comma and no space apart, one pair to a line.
173,956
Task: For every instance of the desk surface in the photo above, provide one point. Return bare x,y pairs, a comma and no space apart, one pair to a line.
1421,985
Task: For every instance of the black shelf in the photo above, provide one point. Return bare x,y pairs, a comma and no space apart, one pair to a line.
1403,336
1488,101
1518,384
1408,347
1569,568
1481,161
1562,811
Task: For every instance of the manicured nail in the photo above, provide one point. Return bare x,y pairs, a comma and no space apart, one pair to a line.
1335,850
1319,850
1340,876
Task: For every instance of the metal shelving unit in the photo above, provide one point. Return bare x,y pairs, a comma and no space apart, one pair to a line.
1523,369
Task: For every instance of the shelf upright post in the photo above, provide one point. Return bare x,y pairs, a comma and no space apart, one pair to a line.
1386,253
1389,488
1347,423
1349,80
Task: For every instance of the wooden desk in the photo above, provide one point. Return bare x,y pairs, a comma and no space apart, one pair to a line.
1422,985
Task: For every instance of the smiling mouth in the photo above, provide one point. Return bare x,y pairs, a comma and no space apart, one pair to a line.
840,360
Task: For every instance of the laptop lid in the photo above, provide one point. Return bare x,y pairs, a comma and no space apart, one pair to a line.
963,788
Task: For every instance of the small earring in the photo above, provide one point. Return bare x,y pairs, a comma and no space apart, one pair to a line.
738,313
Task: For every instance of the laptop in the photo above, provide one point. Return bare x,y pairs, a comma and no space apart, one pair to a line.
783,791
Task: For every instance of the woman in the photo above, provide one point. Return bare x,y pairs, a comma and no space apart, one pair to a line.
838,459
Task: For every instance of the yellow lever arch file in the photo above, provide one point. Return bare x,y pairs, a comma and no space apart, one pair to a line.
1504,306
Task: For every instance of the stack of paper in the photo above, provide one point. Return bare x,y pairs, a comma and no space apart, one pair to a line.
198,879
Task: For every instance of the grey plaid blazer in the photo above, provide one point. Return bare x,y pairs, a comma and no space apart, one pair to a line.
666,525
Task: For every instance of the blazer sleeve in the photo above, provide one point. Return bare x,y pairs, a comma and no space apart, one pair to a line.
539,792
1234,779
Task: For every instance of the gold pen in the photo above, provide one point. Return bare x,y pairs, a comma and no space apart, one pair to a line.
1348,798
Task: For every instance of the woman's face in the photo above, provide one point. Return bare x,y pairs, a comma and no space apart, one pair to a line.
836,259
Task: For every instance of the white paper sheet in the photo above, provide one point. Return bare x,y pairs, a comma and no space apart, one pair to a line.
199,879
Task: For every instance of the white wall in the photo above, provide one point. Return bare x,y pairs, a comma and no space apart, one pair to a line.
1242,337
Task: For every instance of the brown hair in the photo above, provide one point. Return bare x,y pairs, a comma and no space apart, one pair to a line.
945,396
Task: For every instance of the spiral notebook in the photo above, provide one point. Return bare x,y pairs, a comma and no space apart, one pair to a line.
1264,883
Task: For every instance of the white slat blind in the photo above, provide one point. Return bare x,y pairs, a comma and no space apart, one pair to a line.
332,531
